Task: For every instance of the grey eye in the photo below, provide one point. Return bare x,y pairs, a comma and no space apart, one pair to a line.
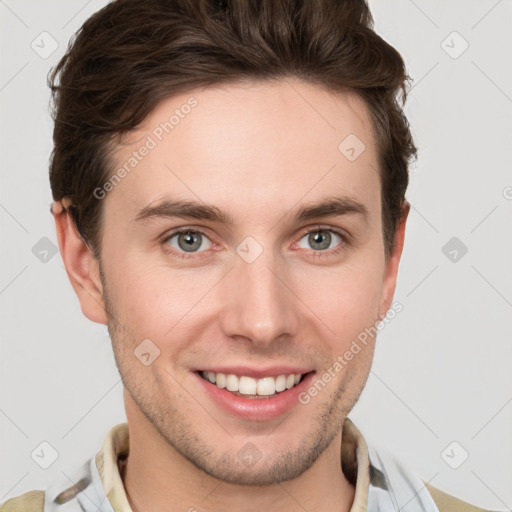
319,240
188,241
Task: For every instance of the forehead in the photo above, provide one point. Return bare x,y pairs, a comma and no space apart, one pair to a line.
244,146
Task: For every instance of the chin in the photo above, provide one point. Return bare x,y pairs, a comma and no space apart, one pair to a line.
251,467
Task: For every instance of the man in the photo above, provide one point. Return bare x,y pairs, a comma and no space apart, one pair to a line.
229,186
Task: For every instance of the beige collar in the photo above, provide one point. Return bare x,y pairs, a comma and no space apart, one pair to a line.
116,447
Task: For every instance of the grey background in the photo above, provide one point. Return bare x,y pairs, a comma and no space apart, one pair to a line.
442,369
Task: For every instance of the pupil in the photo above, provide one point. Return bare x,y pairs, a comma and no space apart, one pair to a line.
322,238
191,241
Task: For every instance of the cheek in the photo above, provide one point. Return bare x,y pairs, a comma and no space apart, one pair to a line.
346,299
154,301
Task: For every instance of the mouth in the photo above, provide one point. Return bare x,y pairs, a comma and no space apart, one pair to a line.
255,394
251,387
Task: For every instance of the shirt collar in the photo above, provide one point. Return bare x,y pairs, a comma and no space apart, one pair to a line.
116,447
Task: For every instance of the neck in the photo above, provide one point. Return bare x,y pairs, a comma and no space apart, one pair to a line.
157,477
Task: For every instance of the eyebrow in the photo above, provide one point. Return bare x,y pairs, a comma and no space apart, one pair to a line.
329,207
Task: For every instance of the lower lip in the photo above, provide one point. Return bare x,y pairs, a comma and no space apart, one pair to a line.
257,408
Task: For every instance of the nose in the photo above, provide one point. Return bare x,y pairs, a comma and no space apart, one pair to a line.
258,301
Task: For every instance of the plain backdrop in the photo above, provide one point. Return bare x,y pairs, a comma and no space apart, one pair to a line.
440,391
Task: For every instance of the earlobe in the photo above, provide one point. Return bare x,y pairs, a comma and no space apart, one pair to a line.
81,265
391,270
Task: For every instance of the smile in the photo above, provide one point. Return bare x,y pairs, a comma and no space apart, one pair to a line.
243,385
256,394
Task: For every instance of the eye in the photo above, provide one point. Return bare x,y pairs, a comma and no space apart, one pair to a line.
320,239
188,241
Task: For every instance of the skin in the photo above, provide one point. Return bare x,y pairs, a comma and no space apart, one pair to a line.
256,151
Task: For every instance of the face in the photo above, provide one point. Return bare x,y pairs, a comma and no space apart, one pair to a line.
217,259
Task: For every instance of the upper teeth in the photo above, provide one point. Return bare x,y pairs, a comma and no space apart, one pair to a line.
249,386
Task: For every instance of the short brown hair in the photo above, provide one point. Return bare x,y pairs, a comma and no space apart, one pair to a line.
132,54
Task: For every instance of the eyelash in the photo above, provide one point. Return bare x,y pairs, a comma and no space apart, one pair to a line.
183,255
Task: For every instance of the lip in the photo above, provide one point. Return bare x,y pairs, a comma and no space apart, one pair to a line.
256,408
256,373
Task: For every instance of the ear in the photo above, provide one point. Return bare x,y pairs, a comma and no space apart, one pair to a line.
81,265
391,270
